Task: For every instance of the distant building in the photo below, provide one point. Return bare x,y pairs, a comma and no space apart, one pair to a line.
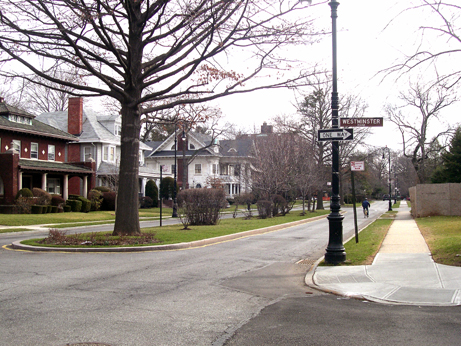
204,162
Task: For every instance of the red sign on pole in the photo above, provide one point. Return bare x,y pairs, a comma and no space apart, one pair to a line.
361,122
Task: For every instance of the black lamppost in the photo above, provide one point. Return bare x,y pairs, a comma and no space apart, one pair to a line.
389,177
175,200
335,253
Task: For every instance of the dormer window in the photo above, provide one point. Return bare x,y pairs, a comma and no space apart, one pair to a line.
20,119
232,150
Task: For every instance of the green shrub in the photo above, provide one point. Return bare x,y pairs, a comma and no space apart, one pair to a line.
152,191
75,205
167,188
108,202
54,209
36,209
86,204
96,197
25,192
145,202
102,189
67,208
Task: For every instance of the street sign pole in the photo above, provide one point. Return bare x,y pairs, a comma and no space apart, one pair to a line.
335,252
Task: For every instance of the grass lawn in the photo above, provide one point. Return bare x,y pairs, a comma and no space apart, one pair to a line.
370,240
443,236
175,234
55,218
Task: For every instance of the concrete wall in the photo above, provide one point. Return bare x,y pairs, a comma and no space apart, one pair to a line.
435,199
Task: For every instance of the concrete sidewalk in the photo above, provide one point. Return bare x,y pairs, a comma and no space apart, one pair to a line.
403,271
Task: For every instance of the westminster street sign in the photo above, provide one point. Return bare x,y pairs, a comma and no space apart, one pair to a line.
361,122
335,135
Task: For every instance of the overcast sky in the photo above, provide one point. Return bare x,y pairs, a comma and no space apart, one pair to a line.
371,37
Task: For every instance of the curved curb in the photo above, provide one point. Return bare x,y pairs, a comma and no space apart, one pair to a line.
194,244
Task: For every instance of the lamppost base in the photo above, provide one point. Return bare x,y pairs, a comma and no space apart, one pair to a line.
335,252
335,256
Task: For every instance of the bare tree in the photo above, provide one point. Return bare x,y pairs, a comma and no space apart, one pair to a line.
425,104
151,56
274,166
442,28
314,114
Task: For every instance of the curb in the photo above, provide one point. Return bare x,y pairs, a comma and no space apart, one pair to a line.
194,244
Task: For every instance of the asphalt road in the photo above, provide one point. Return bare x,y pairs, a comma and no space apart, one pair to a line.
210,295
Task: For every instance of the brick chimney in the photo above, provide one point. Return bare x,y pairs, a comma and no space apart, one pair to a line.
266,129
75,115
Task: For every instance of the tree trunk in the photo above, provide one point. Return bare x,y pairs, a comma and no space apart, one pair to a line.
127,218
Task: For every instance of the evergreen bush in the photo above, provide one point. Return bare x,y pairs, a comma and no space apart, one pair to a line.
152,192
75,205
24,192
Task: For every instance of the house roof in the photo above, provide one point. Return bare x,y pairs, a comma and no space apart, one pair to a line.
236,147
94,126
37,127
93,130
52,166
6,109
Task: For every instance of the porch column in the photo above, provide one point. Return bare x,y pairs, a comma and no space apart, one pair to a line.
65,187
143,187
85,186
44,181
19,180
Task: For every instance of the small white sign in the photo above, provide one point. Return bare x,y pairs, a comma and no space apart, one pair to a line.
357,165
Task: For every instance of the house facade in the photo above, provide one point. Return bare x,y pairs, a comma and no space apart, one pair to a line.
34,154
203,161
99,141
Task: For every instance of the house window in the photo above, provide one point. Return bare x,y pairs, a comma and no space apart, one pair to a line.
112,154
51,150
34,150
214,168
173,168
109,153
87,152
118,130
2,191
198,168
191,146
54,186
224,169
17,146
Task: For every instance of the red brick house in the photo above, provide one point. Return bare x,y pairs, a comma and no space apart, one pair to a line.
34,154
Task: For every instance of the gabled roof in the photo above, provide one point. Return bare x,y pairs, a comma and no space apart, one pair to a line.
36,128
164,148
